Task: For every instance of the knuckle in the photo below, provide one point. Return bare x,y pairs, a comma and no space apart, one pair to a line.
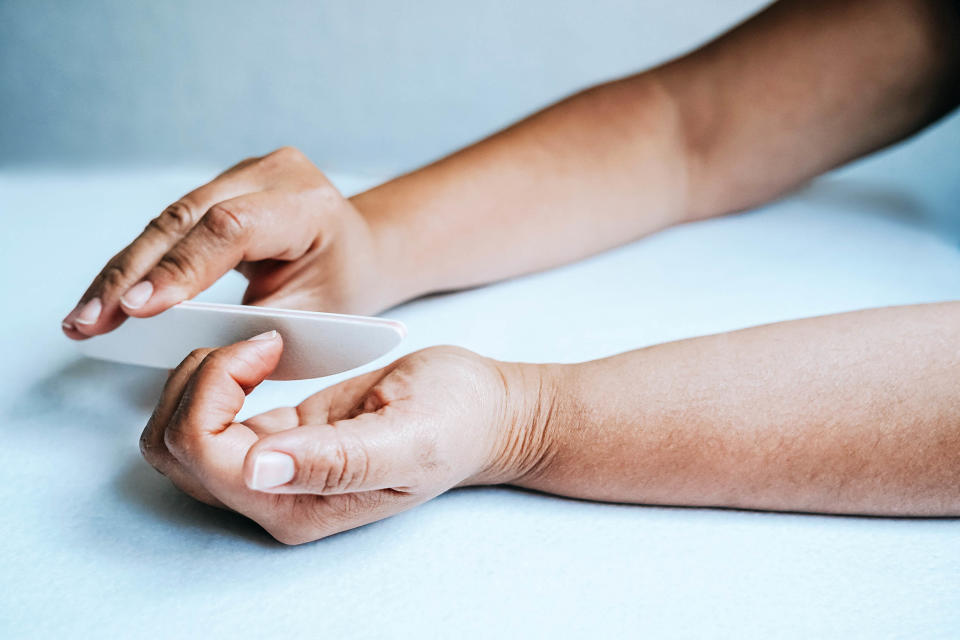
225,223
173,439
327,469
115,277
281,158
177,219
195,358
354,465
177,266
191,363
286,153
213,360
147,448
177,441
156,455
325,197
319,469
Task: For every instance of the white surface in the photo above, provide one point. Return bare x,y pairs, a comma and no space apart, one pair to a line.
315,344
96,544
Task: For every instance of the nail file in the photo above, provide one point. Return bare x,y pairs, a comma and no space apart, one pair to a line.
314,344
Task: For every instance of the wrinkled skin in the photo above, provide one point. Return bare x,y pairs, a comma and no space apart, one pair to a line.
363,449
276,219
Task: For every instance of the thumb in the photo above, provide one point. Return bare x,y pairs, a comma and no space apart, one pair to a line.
215,392
366,453
202,434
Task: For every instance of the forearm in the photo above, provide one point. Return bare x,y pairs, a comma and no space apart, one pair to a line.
852,413
800,88
806,86
591,172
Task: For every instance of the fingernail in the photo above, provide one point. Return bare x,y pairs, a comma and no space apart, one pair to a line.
67,322
137,295
272,469
269,335
90,312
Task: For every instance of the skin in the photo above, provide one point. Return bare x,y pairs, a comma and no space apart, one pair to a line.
362,450
853,413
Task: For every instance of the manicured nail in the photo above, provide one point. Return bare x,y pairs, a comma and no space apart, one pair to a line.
137,295
90,312
272,469
67,322
269,335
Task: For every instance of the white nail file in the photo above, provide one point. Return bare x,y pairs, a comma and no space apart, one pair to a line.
314,344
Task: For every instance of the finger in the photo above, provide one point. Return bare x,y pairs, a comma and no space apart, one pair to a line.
191,486
213,396
202,436
151,440
253,227
329,405
99,309
215,392
367,453
154,438
273,421
340,400
316,517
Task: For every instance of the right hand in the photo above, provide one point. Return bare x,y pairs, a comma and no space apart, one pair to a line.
276,219
358,451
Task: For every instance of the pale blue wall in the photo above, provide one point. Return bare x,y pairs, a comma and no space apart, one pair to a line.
374,86
377,85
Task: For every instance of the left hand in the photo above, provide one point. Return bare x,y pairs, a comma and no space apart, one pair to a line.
356,452
277,220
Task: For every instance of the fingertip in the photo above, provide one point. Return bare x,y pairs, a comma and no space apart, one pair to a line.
70,317
269,342
71,331
84,331
265,470
84,318
273,334
137,296
247,363
159,300
267,348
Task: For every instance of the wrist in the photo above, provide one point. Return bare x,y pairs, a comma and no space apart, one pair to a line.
397,246
527,430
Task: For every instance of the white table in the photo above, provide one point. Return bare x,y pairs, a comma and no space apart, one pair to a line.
97,544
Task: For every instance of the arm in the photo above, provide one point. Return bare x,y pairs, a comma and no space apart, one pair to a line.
802,87
851,413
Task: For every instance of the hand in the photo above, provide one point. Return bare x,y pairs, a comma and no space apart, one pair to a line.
353,453
277,219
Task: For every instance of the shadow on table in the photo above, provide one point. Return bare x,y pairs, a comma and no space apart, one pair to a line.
158,502
86,391
155,498
863,196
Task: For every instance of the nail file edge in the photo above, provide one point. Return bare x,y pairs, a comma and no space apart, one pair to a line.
316,344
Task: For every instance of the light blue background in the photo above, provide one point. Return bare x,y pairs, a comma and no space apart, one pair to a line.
369,88
372,86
